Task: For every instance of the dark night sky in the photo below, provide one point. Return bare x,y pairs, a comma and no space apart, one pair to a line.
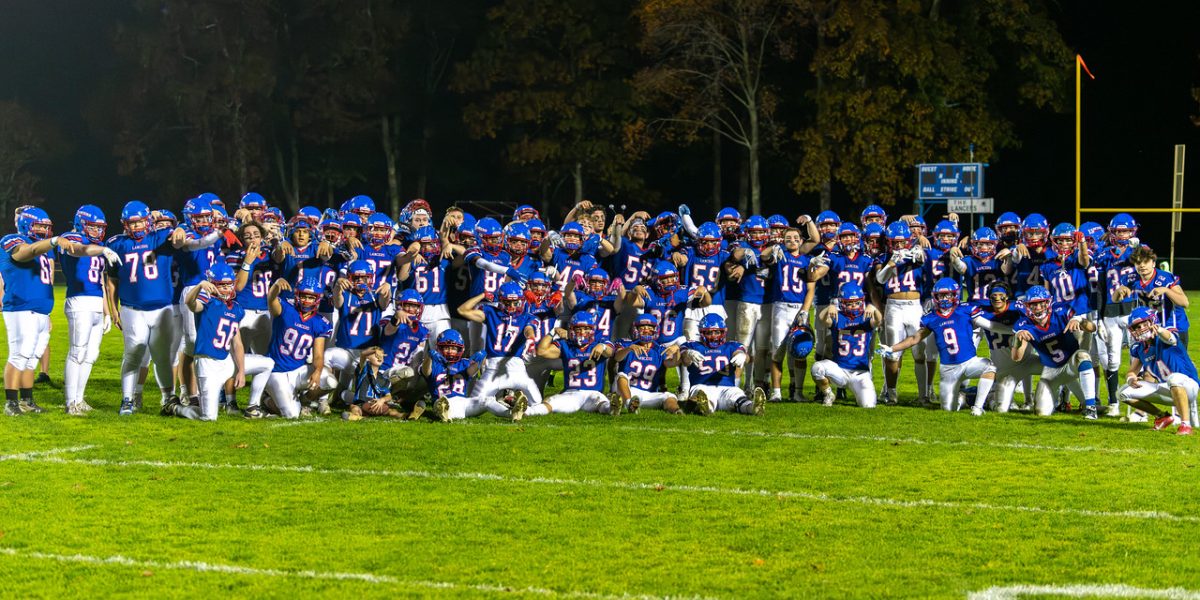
1136,109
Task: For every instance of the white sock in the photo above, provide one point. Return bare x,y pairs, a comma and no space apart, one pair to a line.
981,391
537,410
776,392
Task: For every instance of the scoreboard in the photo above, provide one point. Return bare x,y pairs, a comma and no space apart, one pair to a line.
949,180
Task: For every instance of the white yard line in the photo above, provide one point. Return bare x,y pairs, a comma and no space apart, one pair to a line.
371,578
40,453
623,485
856,438
1012,592
296,422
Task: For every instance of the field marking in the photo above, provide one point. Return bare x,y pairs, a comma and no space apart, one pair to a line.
860,438
204,567
622,485
295,422
1012,592
40,453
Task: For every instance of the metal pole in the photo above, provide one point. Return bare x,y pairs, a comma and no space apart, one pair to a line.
1077,141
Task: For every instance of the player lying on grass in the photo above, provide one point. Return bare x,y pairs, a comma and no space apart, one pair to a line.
851,323
1160,372
641,370
952,327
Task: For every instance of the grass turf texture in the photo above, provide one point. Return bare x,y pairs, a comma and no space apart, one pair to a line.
807,501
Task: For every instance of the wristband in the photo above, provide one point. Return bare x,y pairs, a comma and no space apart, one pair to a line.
247,267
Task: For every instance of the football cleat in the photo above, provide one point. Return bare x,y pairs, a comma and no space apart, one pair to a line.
775,396
441,410
74,409
615,405
1090,412
1184,429
253,412
889,397
1134,417
126,407
84,406
1163,422
798,396
759,398
703,406
12,408
1114,410
635,403
827,397
323,406
30,406
171,408
519,404
976,411
231,407
418,409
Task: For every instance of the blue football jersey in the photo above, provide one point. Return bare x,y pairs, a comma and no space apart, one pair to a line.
1162,359
1116,266
358,321
1169,315
1067,282
604,309
503,335
400,347
293,267
752,287
669,310
1054,344
645,370
447,380
937,266
193,264
262,273
216,326
714,369
705,271
84,275
843,269
567,266
852,342
28,285
953,334
999,342
482,280
381,260
789,281
293,337
144,277
628,265
580,372
978,276
429,280
909,276
1027,272
827,286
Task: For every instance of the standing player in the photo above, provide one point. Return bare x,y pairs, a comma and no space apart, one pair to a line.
584,360
851,325
1051,331
829,224
902,273
143,286
1001,308
87,311
789,291
1157,290
1023,266
1160,372
1113,261
641,370
745,292
954,326
360,307
713,365
981,267
27,268
298,338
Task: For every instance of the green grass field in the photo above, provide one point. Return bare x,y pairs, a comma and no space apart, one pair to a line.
806,502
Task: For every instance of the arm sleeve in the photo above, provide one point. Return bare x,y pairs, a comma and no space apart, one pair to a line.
690,226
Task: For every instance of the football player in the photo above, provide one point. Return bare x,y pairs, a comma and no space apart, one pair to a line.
713,364
1051,331
851,324
902,273
448,376
298,338
584,359
1160,372
641,370
507,328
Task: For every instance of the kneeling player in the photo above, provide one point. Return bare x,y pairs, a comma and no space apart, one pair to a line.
1157,353
640,376
583,359
448,376
851,324
1051,330
713,366
220,354
954,326
298,334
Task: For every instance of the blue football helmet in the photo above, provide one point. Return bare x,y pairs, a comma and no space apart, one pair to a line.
90,223
34,223
311,214
946,295
852,300
828,223
645,328
198,215
849,239
583,329
221,275
873,214
899,236
1141,324
573,236
450,345
873,238
1008,228
411,302
361,275
1034,230
537,232
1038,303
511,298
983,243
712,330
133,213
945,235
800,342
666,277
431,243
757,231
708,242
379,229
308,294
253,201
1121,229
525,212
166,220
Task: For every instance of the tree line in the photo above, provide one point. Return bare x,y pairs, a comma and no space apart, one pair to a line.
552,101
